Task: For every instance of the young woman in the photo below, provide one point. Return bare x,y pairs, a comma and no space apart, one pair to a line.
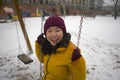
61,58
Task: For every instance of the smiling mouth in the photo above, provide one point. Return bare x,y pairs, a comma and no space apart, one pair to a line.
54,41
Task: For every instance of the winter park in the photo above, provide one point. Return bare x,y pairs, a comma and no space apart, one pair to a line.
99,44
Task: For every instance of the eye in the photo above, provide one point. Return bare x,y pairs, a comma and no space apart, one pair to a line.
58,30
49,31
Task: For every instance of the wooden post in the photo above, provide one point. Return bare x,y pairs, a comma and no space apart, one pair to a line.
0,4
18,12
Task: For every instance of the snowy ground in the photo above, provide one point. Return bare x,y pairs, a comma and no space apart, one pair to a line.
100,44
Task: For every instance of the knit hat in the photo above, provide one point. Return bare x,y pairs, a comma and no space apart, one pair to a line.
55,21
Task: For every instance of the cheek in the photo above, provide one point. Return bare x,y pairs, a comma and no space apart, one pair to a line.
48,37
61,36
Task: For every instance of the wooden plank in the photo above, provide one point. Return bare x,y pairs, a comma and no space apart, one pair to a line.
18,12
25,59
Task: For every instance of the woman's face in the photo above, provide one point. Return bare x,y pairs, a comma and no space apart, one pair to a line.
54,35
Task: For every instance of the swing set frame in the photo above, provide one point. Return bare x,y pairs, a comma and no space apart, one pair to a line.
23,57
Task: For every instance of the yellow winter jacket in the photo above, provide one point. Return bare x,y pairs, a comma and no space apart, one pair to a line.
59,66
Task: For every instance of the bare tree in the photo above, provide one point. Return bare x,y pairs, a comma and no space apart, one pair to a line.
99,4
115,8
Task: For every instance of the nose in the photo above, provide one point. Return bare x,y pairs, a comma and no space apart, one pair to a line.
53,33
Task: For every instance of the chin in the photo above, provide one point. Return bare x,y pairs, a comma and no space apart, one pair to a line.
53,44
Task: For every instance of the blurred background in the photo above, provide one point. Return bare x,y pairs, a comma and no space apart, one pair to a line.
34,8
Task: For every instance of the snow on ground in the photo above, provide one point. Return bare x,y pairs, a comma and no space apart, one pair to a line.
100,44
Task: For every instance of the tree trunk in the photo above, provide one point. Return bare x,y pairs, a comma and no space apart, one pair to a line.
115,16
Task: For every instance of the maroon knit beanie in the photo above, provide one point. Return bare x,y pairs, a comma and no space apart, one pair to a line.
55,21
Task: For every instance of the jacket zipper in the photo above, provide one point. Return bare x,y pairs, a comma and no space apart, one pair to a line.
47,67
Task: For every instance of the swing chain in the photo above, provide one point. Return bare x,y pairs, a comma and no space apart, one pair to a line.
84,2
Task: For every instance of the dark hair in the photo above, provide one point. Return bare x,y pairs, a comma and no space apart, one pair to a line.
47,48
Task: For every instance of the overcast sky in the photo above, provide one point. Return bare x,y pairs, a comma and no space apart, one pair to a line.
108,2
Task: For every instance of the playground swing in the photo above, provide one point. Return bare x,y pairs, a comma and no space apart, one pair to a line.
23,57
84,2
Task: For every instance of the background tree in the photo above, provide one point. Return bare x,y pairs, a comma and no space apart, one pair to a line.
115,2
92,4
99,4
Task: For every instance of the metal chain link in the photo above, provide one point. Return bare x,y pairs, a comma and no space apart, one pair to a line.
79,32
81,22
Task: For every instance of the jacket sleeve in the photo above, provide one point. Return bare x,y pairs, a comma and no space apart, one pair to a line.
79,69
38,51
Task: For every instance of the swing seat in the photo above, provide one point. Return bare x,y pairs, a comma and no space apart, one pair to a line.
25,59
